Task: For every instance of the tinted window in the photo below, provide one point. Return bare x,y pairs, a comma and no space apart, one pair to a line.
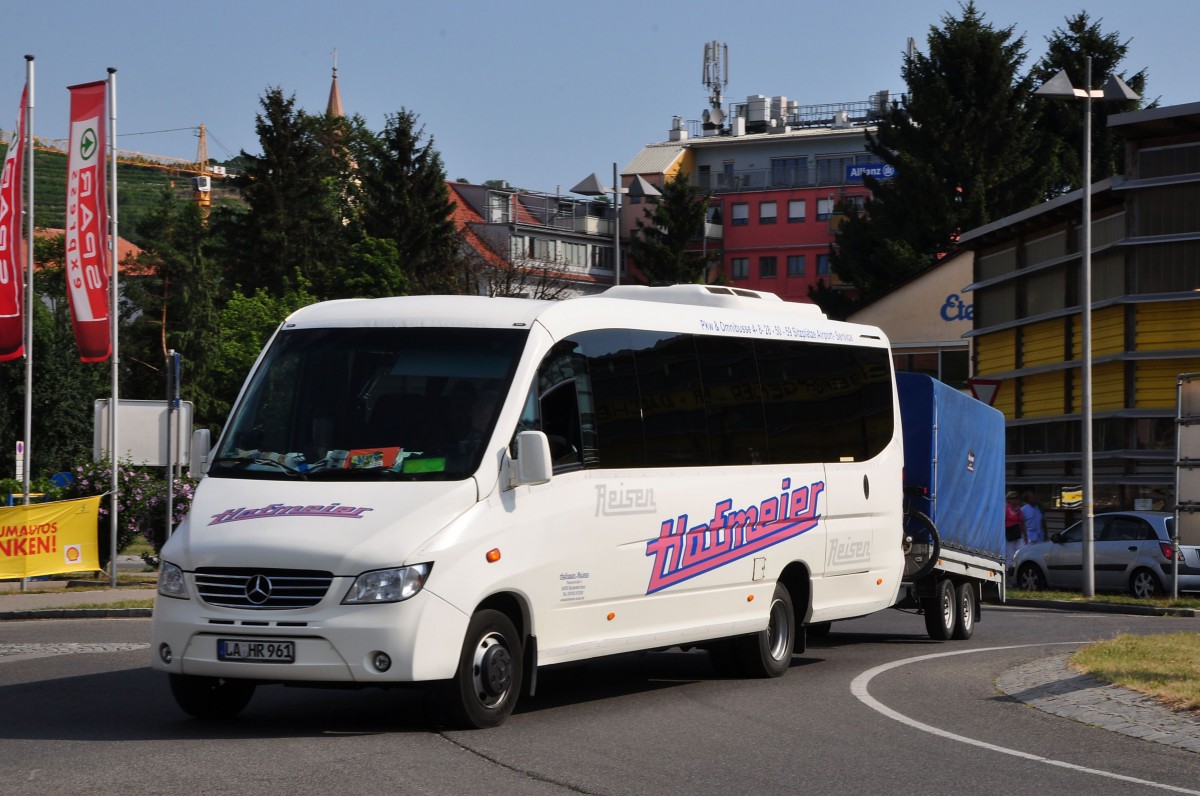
617,401
668,375
732,400
691,400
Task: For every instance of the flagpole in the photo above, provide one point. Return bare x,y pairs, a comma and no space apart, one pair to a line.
28,143
113,249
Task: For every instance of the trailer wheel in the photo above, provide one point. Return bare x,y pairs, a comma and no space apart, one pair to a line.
964,623
484,691
769,653
210,697
940,611
922,545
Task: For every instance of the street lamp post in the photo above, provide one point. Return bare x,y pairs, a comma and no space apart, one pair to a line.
1116,89
592,186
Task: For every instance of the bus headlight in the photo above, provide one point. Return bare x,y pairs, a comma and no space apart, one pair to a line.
387,585
171,582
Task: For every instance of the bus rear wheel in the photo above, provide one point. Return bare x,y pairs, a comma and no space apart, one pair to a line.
769,652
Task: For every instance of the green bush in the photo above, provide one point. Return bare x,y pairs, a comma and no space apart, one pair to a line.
141,504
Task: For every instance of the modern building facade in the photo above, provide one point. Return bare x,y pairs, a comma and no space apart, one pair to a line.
1145,319
778,172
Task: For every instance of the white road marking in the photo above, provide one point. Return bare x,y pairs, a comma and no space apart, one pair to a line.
24,652
859,685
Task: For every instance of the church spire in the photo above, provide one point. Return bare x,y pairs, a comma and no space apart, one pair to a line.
335,97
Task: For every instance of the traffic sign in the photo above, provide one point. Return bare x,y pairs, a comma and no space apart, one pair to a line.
984,390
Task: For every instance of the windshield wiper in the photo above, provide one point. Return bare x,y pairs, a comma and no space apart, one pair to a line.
245,461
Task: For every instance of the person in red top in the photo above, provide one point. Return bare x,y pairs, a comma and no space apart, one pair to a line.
1014,525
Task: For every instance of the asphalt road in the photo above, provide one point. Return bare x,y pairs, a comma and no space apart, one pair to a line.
876,707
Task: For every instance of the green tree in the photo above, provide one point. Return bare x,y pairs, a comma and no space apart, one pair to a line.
406,201
246,323
176,295
1062,121
292,229
964,148
662,245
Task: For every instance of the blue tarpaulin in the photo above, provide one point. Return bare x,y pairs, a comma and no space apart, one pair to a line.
954,451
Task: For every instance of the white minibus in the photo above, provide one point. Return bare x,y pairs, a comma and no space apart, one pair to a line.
458,490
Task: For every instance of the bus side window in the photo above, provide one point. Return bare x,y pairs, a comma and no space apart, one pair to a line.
560,421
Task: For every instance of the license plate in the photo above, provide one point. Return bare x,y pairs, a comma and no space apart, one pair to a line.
256,650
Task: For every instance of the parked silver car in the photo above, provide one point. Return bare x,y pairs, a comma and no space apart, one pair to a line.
1131,552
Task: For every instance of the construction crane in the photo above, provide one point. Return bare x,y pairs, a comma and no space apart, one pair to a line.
202,183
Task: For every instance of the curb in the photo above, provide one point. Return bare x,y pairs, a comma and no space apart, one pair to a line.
1101,608
77,613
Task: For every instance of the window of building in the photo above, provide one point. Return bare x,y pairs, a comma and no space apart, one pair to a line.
767,267
739,268
575,254
766,212
823,265
789,172
854,204
797,208
795,265
518,247
705,176
542,249
996,263
741,214
602,257
498,208
824,209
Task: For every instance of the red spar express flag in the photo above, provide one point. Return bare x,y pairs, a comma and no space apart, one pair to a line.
12,339
87,222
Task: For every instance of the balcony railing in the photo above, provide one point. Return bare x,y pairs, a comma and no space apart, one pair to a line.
772,179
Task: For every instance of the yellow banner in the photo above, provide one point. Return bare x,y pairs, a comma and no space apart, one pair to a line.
49,538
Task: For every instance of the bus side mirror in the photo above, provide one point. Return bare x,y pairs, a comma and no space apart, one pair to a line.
532,464
201,444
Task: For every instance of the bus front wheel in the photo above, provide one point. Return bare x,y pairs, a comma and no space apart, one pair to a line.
484,690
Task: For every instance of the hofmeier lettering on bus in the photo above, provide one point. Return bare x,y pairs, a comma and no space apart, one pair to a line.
335,510
681,553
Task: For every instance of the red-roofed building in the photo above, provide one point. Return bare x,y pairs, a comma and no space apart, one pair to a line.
533,244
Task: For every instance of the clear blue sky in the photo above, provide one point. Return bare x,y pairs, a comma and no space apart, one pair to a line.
538,93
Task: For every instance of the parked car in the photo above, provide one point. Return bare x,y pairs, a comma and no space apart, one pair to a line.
1131,552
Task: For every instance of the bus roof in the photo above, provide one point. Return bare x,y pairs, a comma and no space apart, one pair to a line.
695,308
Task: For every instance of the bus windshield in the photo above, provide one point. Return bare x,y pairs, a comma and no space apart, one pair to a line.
371,404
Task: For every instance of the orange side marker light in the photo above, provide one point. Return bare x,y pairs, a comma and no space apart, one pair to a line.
493,555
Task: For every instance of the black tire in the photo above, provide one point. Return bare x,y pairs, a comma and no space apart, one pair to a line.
940,611
964,622
1030,578
1143,584
922,545
210,697
485,689
769,653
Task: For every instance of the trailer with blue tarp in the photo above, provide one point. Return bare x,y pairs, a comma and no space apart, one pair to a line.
954,512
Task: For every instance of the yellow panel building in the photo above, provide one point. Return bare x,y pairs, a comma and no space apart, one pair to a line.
1145,303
